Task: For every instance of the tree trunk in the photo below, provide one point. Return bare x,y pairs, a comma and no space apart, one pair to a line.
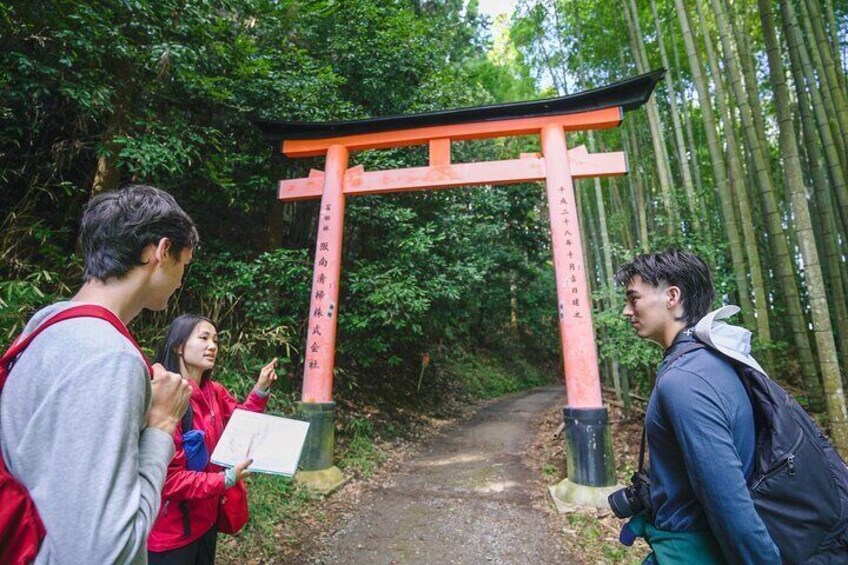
619,208
106,175
777,237
838,290
725,197
749,75
833,29
607,257
819,79
690,137
641,209
657,134
559,82
695,211
798,49
274,225
739,193
634,179
820,49
831,376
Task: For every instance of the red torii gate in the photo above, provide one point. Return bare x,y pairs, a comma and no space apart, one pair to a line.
587,431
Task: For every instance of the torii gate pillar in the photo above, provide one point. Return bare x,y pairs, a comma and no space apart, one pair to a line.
588,444
317,406
591,470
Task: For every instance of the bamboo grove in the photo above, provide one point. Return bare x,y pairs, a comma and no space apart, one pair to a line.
741,154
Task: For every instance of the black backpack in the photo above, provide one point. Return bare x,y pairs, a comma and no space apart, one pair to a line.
800,483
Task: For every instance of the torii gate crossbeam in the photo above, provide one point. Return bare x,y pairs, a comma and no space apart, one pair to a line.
589,449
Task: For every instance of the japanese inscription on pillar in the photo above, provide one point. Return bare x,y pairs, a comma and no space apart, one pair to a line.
321,332
575,319
322,304
571,305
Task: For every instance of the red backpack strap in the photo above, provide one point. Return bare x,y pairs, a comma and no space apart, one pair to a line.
82,311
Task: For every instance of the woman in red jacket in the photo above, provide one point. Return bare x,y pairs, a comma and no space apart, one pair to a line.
185,531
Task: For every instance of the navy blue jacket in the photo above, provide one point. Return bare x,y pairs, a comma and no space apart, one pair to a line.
701,441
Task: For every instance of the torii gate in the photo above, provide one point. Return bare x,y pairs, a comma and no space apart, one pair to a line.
587,430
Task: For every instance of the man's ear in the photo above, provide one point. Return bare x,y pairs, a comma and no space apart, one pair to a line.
163,249
673,297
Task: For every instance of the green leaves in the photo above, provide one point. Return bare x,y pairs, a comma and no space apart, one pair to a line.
163,92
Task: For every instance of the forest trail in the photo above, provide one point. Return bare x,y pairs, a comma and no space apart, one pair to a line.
468,497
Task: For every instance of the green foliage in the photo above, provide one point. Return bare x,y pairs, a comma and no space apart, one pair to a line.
360,454
488,375
587,528
273,500
163,92
20,298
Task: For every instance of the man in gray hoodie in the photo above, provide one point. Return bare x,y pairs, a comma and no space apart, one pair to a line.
82,425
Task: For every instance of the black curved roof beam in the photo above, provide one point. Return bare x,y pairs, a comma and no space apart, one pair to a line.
629,94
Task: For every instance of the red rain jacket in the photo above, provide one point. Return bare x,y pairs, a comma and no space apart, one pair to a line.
202,491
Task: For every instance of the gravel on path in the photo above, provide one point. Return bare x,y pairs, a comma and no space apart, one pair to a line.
467,497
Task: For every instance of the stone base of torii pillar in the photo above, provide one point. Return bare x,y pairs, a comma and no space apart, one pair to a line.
568,496
589,459
323,481
317,471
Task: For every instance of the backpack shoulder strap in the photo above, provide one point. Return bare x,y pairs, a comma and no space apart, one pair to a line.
679,352
82,311
187,421
187,424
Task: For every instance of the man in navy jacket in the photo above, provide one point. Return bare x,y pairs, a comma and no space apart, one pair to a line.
700,424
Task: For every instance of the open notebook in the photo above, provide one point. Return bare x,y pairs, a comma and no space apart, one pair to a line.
274,443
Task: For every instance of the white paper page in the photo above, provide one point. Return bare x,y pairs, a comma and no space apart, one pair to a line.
274,443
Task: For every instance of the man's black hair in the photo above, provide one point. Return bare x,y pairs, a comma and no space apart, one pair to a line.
673,267
176,337
117,226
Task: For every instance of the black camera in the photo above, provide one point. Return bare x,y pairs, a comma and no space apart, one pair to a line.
633,499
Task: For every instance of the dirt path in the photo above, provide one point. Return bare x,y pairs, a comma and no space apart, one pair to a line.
468,497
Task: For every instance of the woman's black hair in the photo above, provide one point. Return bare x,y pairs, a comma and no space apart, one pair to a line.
176,337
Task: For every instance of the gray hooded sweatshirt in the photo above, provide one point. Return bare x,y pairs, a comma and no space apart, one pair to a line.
73,430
